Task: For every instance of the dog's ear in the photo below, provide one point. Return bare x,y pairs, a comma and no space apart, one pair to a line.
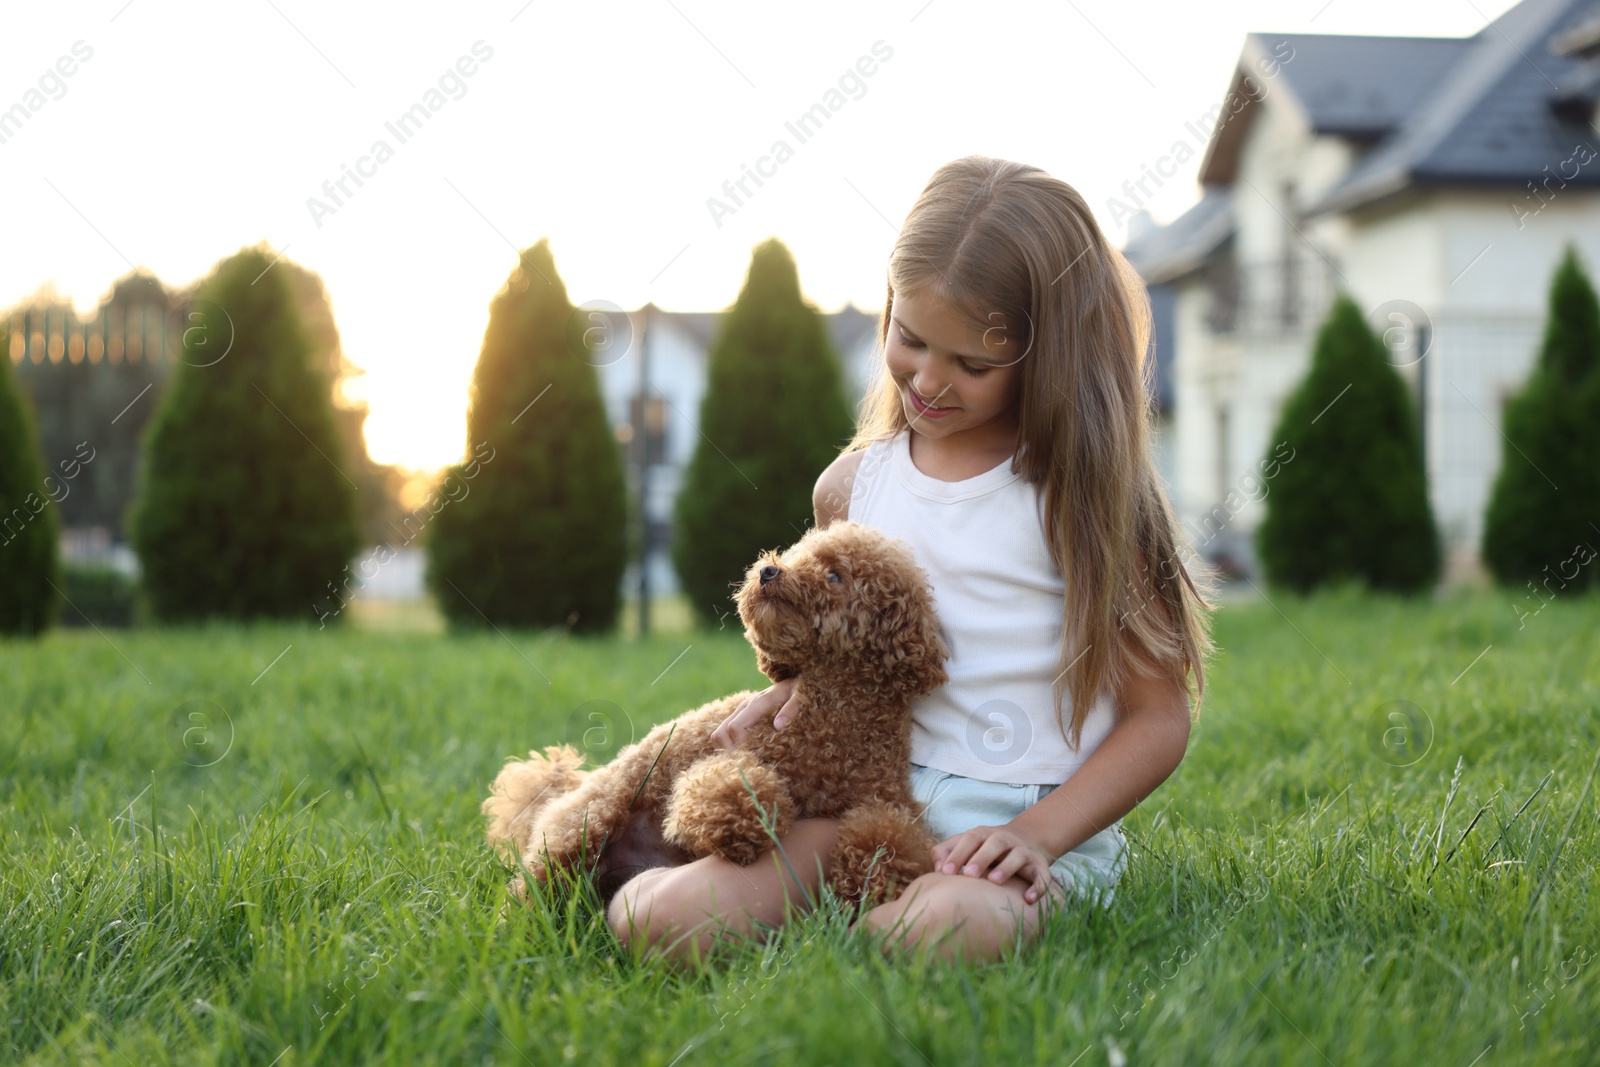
907,644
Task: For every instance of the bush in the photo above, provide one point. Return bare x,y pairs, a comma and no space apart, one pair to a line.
29,527
100,595
1351,500
242,512
773,416
1545,503
532,530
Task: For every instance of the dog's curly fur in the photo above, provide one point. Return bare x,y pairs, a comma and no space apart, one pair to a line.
848,612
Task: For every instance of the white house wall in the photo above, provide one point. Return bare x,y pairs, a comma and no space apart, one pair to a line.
1489,323
1220,466
1324,160
678,373
1273,151
1393,255
1198,387
1477,264
1216,485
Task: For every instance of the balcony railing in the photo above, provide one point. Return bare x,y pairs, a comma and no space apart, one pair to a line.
1289,295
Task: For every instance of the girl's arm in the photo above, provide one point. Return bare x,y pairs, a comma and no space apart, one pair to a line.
1144,747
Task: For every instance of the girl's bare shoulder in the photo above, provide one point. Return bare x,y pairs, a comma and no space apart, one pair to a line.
831,496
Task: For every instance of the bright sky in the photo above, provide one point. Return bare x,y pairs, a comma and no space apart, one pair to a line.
195,128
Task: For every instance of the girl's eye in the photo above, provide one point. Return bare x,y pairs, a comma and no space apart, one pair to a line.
976,372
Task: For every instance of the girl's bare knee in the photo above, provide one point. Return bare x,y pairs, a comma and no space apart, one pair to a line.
682,911
669,913
955,919
635,904
902,921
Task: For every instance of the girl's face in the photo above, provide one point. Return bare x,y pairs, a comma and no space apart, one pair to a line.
952,377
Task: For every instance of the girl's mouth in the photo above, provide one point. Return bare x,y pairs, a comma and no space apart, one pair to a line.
924,408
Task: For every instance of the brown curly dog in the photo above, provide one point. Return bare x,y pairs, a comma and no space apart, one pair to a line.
850,612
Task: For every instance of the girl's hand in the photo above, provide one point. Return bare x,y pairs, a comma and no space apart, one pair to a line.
777,697
1007,851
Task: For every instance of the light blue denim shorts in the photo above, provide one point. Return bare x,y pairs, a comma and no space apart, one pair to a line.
956,804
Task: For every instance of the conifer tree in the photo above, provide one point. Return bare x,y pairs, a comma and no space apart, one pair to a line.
773,416
1543,520
378,484
532,528
29,526
243,512
1350,503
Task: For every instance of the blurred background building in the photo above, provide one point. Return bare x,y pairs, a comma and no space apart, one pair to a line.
1434,179
94,382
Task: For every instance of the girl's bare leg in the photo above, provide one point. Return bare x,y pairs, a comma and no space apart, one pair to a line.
680,913
959,916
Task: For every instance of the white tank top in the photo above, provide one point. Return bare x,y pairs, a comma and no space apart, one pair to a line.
999,597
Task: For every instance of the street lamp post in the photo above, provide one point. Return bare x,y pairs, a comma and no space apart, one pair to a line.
641,436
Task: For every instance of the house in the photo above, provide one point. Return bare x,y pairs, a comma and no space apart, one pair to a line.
79,376
1436,180
675,348
94,384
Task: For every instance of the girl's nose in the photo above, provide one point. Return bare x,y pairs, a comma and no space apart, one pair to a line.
929,391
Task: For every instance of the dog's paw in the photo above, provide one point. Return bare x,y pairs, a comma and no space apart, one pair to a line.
876,879
741,841
880,849
743,851
724,806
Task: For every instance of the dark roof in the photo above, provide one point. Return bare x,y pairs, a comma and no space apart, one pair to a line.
1494,118
1495,108
1360,87
1173,250
846,327
1357,87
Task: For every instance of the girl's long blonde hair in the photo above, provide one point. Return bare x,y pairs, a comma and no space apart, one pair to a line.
1004,241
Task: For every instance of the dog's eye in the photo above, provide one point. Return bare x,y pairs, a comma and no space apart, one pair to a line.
833,576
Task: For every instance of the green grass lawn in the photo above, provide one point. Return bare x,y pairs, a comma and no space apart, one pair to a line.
262,845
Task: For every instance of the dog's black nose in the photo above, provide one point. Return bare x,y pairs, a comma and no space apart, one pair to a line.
768,573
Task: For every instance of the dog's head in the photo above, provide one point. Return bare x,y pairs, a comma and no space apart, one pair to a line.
846,598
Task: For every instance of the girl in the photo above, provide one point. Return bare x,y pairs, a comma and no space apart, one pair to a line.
1006,439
